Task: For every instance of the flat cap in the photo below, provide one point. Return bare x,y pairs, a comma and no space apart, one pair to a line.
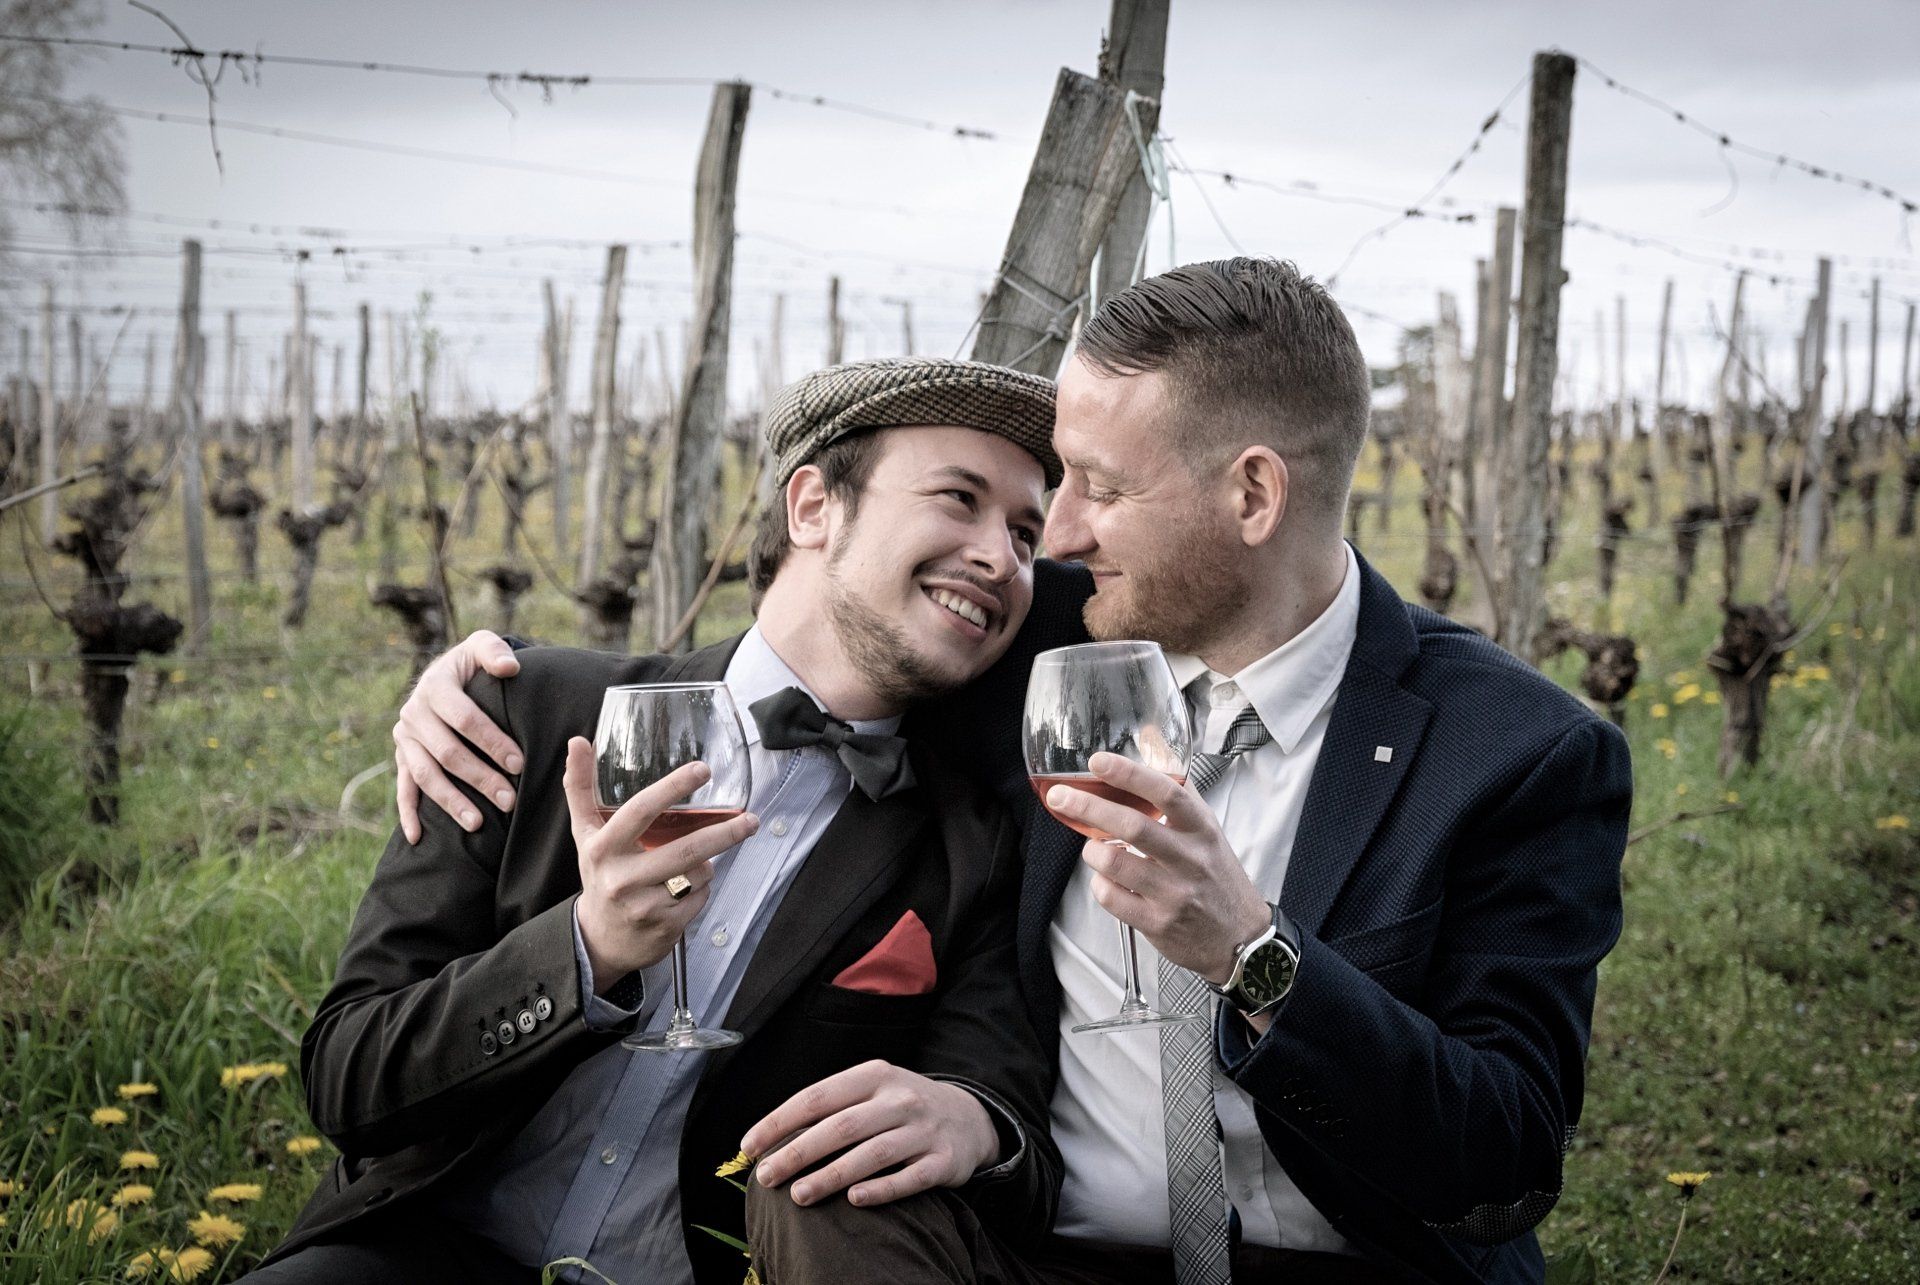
810,414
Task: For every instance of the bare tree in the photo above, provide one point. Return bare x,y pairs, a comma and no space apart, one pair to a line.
70,151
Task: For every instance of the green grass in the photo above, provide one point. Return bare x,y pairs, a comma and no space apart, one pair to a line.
1758,1020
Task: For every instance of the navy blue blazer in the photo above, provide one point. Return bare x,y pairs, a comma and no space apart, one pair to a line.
1422,1081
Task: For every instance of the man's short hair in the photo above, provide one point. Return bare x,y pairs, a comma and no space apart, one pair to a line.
1254,353
845,467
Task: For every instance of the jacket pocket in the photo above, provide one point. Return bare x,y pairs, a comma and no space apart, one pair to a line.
830,1003
1391,947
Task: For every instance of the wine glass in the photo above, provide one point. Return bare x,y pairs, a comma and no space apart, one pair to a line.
646,731
1120,698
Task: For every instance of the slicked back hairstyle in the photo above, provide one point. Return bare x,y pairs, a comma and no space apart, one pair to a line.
845,468
1254,353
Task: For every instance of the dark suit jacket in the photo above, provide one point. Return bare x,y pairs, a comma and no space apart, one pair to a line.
1424,1077
464,931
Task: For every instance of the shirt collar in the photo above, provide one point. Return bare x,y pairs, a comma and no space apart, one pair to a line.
1291,684
756,672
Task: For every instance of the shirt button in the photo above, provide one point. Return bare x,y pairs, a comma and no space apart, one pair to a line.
1226,694
779,826
720,937
608,1156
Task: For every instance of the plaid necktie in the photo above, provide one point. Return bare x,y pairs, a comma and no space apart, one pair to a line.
1196,1188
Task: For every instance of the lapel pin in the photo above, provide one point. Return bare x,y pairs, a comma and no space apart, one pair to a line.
1383,753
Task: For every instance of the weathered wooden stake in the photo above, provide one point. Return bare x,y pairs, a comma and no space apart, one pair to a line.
693,437
1132,60
1812,500
1549,130
301,383
49,422
1085,159
836,327
559,433
188,355
605,347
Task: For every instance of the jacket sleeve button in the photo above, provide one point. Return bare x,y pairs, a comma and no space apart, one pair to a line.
542,1008
506,1033
488,1045
524,1021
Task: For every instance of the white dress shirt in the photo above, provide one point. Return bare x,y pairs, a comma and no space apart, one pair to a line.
1106,1110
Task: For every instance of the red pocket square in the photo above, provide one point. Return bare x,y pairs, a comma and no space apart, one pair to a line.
902,964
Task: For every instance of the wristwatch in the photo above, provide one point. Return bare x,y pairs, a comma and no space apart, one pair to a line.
1263,969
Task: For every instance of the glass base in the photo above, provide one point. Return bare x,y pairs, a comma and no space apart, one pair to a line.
681,1040
1131,1019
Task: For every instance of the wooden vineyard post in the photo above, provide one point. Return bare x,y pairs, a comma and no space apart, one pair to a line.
773,378
836,327
49,421
1549,130
301,385
230,402
189,356
699,414
593,517
559,435
1085,159
1491,415
1133,61
1811,503
1910,464
1867,475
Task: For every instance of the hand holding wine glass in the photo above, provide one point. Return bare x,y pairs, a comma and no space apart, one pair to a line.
670,775
628,920
1116,698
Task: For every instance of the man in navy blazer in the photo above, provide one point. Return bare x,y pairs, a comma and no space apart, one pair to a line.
1425,831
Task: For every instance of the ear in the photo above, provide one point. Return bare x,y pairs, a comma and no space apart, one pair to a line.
1261,488
807,524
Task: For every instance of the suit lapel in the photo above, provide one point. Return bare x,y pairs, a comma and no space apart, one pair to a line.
1351,785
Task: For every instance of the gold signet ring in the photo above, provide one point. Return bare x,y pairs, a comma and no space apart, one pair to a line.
679,886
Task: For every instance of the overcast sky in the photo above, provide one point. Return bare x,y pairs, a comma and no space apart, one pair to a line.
1368,99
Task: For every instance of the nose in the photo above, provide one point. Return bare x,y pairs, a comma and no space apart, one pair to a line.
1066,537
992,552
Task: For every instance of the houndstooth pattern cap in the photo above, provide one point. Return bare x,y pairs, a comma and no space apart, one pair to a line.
897,392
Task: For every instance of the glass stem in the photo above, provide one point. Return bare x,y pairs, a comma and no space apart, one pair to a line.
1130,1001
682,1015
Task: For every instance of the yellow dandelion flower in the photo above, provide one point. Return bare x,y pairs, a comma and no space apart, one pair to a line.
739,1164
1688,1182
177,676
1659,709
107,1116
1835,629
3,1220
7,1188
100,1221
1711,698
1686,693
1732,796
191,1264
1894,822
139,1160
245,1073
1666,746
216,1230
235,1192
1879,633
1773,684
134,1193
213,742
138,1089
303,1145
1858,633
1679,676
269,693
1680,788
1818,673
143,1264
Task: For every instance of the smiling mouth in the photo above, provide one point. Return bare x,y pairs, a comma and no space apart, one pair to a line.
971,612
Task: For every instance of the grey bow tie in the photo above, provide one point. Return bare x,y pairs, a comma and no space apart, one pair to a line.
789,720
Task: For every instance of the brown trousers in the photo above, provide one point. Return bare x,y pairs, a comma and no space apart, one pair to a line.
934,1237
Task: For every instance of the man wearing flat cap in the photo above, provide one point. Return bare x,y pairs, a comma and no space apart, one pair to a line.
856,924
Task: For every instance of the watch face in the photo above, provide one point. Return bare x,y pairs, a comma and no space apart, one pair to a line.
1267,974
